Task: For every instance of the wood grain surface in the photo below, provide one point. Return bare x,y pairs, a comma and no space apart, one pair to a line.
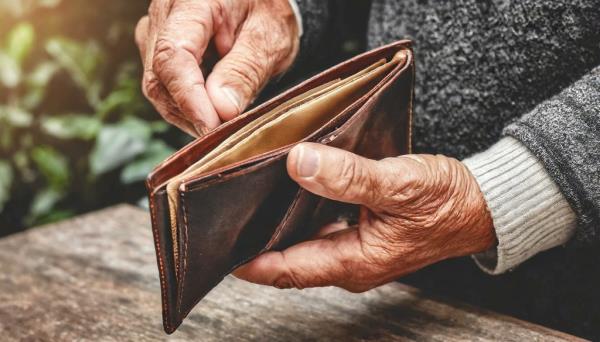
95,278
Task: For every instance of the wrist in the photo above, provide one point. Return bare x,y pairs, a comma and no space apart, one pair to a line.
483,224
471,214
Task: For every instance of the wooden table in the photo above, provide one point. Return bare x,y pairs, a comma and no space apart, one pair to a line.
94,278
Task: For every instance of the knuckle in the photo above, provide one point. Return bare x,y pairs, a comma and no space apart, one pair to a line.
249,72
183,92
288,281
151,86
218,11
164,52
348,178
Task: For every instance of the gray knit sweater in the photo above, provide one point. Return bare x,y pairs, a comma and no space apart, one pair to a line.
517,83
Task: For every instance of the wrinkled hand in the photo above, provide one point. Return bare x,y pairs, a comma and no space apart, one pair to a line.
254,40
416,210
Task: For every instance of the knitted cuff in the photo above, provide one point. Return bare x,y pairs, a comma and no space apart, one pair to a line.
529,212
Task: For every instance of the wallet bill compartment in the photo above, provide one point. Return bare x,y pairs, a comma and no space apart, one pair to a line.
180,294
272,208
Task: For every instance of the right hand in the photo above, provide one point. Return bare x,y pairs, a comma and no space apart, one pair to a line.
254,41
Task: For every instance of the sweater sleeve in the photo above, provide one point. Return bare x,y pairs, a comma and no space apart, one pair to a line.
529,212
542,181
564,134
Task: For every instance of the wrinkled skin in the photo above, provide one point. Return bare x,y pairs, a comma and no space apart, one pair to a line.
415,210
251,40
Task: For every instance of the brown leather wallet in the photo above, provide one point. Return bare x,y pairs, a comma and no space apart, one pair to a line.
226,197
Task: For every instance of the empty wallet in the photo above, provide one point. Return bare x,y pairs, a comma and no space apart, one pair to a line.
226,197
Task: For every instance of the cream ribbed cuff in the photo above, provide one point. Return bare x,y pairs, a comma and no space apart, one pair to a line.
529,212
298,16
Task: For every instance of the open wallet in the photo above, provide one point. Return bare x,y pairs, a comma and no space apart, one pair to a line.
226,197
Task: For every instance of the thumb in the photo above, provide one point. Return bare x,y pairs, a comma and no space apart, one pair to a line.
322,262
335,174
240,75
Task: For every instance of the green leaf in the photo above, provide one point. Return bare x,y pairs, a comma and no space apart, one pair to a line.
139,169
82,61
115,100
118,144
53,166
37,82
42,204
51,216
6,179
15,117
23,167
72,126
20,42
42,74
10,71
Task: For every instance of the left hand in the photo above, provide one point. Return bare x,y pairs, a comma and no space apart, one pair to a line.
416,210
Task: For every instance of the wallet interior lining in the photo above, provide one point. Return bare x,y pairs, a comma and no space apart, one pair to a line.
286,124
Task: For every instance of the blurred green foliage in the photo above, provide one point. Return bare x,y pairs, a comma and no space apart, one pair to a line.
76,133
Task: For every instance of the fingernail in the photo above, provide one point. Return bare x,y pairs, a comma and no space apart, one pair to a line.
307,161
233,97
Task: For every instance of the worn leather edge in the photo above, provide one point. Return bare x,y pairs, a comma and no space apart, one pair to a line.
177,162
154,179
275,242
218,181
208,180
170,321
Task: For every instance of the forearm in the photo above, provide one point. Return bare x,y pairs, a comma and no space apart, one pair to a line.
564,133
542,182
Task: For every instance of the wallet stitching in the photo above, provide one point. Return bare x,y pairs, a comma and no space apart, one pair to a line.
160,264
355,106
279,229
260,164
184,252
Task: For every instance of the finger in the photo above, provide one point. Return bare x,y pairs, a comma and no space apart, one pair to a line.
335,174
152,88
157,15
237,78
177,56
323,262
141,36
165,106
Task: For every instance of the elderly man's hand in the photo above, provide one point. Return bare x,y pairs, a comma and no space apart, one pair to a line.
254,40
416,210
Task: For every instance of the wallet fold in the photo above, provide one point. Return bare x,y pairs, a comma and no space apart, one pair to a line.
224,217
